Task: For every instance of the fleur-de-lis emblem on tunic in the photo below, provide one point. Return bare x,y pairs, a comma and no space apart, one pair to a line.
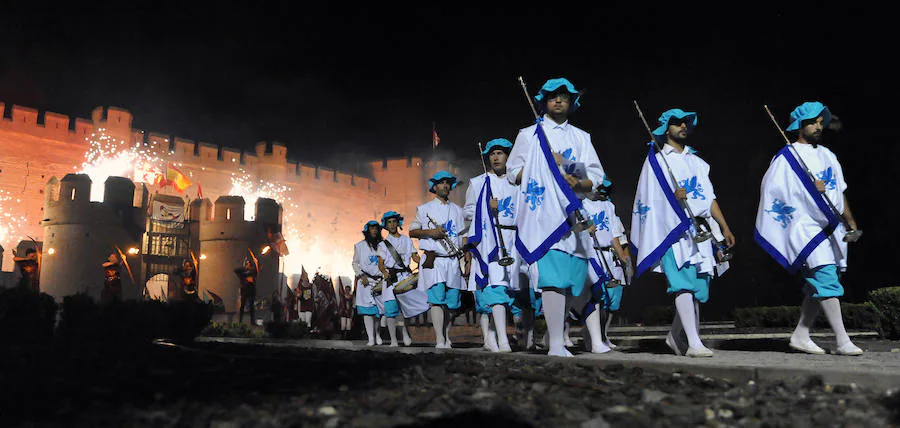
641,210
567,153
534,194
373,259
506,207
601,220
693,188
781,212
827,175
450,228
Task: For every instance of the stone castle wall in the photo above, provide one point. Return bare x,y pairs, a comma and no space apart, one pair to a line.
325,208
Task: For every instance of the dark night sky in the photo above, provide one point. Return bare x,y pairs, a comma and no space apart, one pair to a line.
333,80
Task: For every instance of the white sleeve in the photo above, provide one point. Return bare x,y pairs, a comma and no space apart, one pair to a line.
357,267
516,160
382,251
419,220
471,199
592,164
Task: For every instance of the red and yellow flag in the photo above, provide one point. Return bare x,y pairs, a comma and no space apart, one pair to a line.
177,179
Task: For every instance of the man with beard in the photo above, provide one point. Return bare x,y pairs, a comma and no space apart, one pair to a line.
798,228
394,255
500,283
554,163
247,275
664,234
365,266
439,228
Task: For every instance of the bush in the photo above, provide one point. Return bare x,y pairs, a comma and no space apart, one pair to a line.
285,330
231,329
863,316
887,301
131,321
26,316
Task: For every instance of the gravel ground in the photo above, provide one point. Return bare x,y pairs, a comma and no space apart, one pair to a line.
228,385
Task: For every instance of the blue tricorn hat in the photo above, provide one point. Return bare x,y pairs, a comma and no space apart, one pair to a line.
442,175
391,214
677,113
368,224
498,143
552,86
809,110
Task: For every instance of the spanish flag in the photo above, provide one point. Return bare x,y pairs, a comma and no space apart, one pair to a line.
177,179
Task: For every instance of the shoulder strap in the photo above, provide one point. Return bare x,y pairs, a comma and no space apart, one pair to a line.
394,254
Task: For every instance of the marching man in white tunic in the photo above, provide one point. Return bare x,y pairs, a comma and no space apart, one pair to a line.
804,222
674,199
554,163
491,210
608,276
439,228
365,265
394,255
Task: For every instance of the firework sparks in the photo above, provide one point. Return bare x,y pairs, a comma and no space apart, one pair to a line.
11,223
108,157
306,251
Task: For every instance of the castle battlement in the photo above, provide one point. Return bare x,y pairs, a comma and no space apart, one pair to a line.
270,158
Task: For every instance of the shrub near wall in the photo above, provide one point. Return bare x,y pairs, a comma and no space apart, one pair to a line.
130,321
863,316
26,316
887,300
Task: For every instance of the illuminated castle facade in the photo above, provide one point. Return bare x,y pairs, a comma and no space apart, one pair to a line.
321,210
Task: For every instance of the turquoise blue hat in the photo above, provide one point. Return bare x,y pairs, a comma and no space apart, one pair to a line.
391,214
809,110
370,223
552,85
442,175
678,114
501,143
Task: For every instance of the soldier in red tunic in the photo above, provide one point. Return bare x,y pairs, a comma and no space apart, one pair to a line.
112,283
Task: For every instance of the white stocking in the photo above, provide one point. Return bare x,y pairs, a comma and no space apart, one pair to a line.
499,312
595,332
407,339
437,321
809,310
832,308
555,315
490,340
684,304
369,321
392,330
448,322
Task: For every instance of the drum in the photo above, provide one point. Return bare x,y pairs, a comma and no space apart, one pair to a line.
376,289
407,284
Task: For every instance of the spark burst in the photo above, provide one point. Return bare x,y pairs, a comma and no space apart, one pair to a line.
306,250
107,157
10,223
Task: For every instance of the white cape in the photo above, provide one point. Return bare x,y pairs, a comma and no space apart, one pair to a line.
794,223
544,203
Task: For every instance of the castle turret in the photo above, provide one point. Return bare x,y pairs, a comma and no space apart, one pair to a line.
79,235
223,247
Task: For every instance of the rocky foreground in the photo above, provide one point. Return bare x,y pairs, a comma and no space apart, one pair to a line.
228,385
